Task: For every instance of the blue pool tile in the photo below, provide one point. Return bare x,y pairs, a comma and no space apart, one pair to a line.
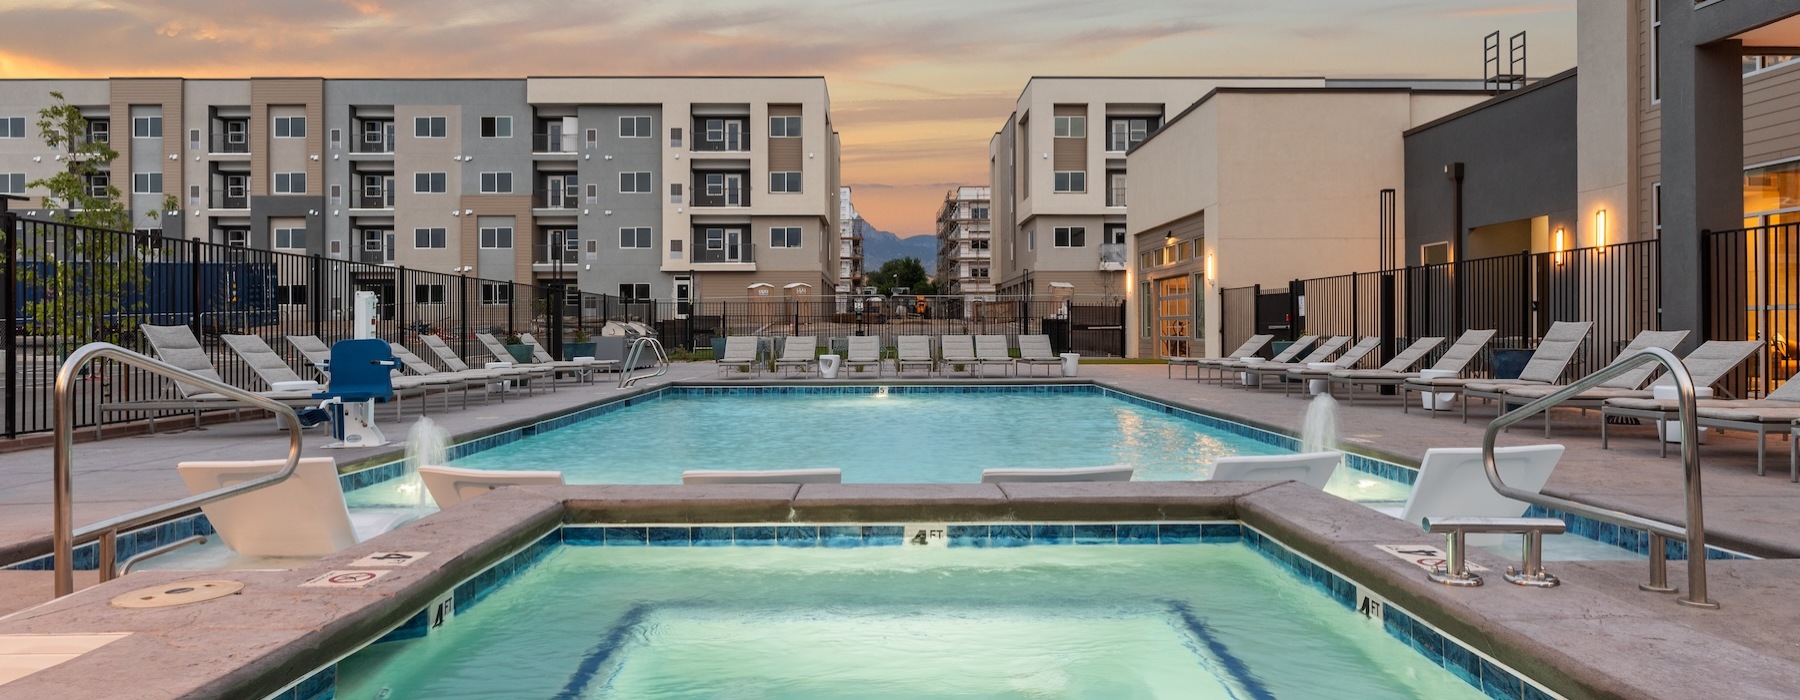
1009,535
1096,534
318,686
754,536
1528,691
1461,662
1138,534
1497,682
1428,643
967,535
841,536
1344,592
1220,532
883,535
1397,624
712,537
671,536
1174,533
414,628
1052,534
797,536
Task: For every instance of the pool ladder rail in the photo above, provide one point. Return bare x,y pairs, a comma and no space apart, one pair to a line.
1693,533
628,374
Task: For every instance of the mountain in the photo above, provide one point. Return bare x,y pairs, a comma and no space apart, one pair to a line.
880,246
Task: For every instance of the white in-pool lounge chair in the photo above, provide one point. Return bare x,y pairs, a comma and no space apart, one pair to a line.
958,351
913,351
1249,348
1311,468
1234,365
1035,352
992,350
697,477
740,355
449,486
863,351
304,516
1112,472
1452,482
798,352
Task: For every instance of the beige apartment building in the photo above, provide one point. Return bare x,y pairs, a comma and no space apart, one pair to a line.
965,256
850,245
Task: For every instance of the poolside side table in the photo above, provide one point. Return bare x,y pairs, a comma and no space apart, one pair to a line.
828,366
1671,430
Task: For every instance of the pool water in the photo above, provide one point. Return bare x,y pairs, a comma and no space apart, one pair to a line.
889,438
1110,621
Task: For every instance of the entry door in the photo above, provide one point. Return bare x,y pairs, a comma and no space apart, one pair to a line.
734,135
734,244
734,189
683,296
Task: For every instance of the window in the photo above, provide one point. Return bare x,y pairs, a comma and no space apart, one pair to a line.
675,137
497,237
237,238
635,127
1113,234
290,127
493,293
1031,240
593,137
98,183
98,131
1115,188
290,183
634,183
1754,64
146,183
1656,208
430,127
12,183
1071,181
1655,51
290,294
14,127
290,238
634,237
978,212
634,292
784,182
1071,236
436,237
1071,127
142,127
978,244
1434,253
1125,132
428,294
784,127
429,183
784,237
674,193
496,183
337,139
496,127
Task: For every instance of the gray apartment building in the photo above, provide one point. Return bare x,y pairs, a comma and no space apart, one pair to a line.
965,256
673,188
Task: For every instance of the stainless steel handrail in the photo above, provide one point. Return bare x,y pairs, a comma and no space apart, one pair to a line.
1693,533
64,536
626,378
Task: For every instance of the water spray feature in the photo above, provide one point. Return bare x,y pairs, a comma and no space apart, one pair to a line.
427,443
1319,429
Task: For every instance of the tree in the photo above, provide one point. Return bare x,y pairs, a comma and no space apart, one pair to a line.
902,272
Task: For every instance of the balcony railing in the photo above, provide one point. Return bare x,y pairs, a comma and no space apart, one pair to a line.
740,253
230,199
549,254
1112,253
1115,196
373,143
723,197
230,143
553,143
375,256
556,199
372,200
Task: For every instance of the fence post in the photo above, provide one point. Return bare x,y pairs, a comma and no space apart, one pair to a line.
1527,330
1355,302
9,229
196,296
314,299
462,338
400,305
1296,300
1387,324
554,307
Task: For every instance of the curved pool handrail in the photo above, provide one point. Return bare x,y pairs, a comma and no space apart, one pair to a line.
626,376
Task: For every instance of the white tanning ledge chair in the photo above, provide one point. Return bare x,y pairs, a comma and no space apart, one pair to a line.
452,485
1111,472
303,516
1310,468
1452,482
711,477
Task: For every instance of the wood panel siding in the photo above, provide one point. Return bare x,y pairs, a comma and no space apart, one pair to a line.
1070,154
517,206
1772,115
786,154
1649,140
165,92
283,92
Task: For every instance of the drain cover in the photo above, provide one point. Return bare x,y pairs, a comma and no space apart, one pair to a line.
178,593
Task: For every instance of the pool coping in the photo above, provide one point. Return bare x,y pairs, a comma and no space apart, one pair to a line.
260,642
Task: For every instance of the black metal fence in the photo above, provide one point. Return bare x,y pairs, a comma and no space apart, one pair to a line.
1237,315
1753,293
1090,326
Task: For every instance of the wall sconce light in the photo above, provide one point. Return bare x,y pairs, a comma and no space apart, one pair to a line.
314,157
174,157
1046,155
608,212
1212,276
1600,228
1169,238
584,212
312,212
40,159
334,156
606,157
337,212
454,212
468,212
1560,245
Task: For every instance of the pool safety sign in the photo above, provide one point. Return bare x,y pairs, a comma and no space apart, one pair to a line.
344,579
380,559
927,535
1424,556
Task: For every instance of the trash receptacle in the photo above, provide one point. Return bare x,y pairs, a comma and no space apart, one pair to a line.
1509,363
1071,363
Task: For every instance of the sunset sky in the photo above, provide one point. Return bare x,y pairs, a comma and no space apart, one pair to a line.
917,87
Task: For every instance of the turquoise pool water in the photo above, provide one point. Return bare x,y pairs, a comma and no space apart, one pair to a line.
1111,621
892,438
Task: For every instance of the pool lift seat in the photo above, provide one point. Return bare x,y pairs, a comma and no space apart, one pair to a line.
360,378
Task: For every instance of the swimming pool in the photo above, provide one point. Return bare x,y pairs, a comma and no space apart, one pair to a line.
882,619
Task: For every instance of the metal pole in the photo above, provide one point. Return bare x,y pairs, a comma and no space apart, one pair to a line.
315,298
9,228
463,338
195,289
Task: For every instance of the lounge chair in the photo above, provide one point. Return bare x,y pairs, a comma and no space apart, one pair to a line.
304,516
863,351
1455,359
1113,472
424,371
266,363
1236,365
992,350
318,354
452,485
1401,364
1035,352
586,368
444,354
1324,351
1311,468
1351,358
798,352
1453,482
957,351
1548,362
1249,348
913,351
1707,364
500,354
1777,411
740,354
694,477
176,345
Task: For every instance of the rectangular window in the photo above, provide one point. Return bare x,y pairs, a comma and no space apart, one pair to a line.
290,294
634,183
290,183
434,237
496,183
1071,127
12,183
1114,234
430,183
497,237
290,127
784,237
593,137
787,182
674,193
1031,240
14,127
146,183
634,292
635,127
1071,181
99,131
237,238
496,293
1071,236
978,212
1123,133
98,183
428,294
1655,51
496,127
675,137
337,139
1656,208
784,127
634,237
289,239
430,127
146,127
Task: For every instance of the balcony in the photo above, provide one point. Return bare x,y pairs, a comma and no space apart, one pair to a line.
231,198
374,142
372,199
721,189
727,253
559,198
721,135
1112,256
553,143
233,142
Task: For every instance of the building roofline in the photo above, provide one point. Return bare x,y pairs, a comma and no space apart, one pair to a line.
1293,91
1484,104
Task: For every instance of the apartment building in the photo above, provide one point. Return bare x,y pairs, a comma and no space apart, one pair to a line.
646,187
850,245
964,256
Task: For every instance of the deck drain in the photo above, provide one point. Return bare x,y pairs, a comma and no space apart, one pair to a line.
177,593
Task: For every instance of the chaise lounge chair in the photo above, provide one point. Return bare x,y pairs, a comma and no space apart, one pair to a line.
958,351
740,354
713,477
176,345
423,370
1401,364
318,354
1249,348
1300,374
1112,472
1777,411
304,516
913,351
1311,468
1455,359
1035,352
1548,362
1706,365
863,351
1236,365
449,486
992,350
584,369
798,352
1322,353
1453,482
442,350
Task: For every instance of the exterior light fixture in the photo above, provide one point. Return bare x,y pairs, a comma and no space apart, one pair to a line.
1600,228
1212,276
1169,238
1560,244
